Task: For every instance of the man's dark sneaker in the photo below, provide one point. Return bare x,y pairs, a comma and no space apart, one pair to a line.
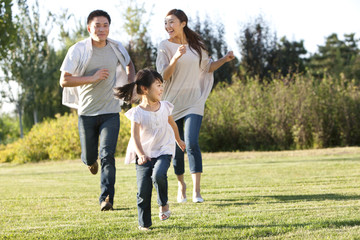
94,168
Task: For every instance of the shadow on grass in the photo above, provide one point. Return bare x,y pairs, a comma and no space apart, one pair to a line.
320,224
356,158
313,197
230,202
122,209
267,230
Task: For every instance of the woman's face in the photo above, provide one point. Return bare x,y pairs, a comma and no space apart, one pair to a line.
174,27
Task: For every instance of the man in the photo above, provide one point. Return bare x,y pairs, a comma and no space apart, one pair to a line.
90,71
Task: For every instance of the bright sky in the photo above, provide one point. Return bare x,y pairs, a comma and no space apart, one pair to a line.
308,20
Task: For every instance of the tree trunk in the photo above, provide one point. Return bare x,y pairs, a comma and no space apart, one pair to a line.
35,112
19,110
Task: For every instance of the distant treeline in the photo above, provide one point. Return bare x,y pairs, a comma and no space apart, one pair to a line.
29,59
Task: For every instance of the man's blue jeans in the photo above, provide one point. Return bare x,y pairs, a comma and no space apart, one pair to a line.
106,128
189,129
153,172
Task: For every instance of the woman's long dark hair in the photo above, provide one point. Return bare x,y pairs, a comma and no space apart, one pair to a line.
194,40
144,77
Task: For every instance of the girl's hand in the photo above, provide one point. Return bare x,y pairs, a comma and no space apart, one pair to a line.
229,56
180,51
143,159
181,145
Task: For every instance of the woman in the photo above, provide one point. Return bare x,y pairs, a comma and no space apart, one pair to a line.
187,71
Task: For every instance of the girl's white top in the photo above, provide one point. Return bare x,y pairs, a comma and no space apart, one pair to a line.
190,84
156,135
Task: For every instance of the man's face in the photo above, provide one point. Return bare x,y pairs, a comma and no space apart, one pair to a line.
99,29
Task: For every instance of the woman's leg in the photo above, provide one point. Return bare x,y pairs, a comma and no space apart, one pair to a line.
179,166
192,131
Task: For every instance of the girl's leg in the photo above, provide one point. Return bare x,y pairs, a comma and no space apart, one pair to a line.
178,163
192,130
144,184
159,178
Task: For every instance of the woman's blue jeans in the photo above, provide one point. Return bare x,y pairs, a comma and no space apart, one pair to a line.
153,172
105,128
189,129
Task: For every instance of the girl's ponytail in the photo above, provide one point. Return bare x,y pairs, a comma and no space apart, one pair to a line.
144,77
125,92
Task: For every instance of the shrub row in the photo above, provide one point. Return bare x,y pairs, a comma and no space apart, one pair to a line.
303,113
55,139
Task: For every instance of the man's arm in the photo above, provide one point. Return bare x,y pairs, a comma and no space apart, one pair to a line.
130,70
68,80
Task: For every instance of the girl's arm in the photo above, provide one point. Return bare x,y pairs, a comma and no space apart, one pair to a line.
227,58
168,72
179,142
135,134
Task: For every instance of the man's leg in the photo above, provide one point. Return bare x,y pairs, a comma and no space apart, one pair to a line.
109,131
89,139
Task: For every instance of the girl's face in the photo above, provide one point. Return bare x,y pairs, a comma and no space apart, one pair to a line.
174,27
155,92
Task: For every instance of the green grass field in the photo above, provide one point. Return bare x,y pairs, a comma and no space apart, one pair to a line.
310,194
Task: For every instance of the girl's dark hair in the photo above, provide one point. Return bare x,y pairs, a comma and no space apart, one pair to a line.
144,77
98,13
194,40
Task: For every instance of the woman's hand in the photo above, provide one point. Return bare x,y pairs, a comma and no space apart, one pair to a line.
143,159
229,56
180,51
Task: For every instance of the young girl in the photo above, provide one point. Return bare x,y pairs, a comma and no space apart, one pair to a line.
152,143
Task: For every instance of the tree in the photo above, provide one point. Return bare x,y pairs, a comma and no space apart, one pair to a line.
8,28
31,66
288,58
141,50
258,49
263,57
337,57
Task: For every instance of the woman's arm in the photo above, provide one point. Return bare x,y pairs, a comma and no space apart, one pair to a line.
168,72
179,142
227,58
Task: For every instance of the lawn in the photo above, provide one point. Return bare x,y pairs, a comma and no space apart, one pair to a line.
308,194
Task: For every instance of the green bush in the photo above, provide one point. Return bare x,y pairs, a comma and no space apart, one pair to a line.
55,139
297,114
9,129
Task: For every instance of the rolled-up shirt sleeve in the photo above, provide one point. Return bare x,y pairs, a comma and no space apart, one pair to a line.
71,61
162,59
